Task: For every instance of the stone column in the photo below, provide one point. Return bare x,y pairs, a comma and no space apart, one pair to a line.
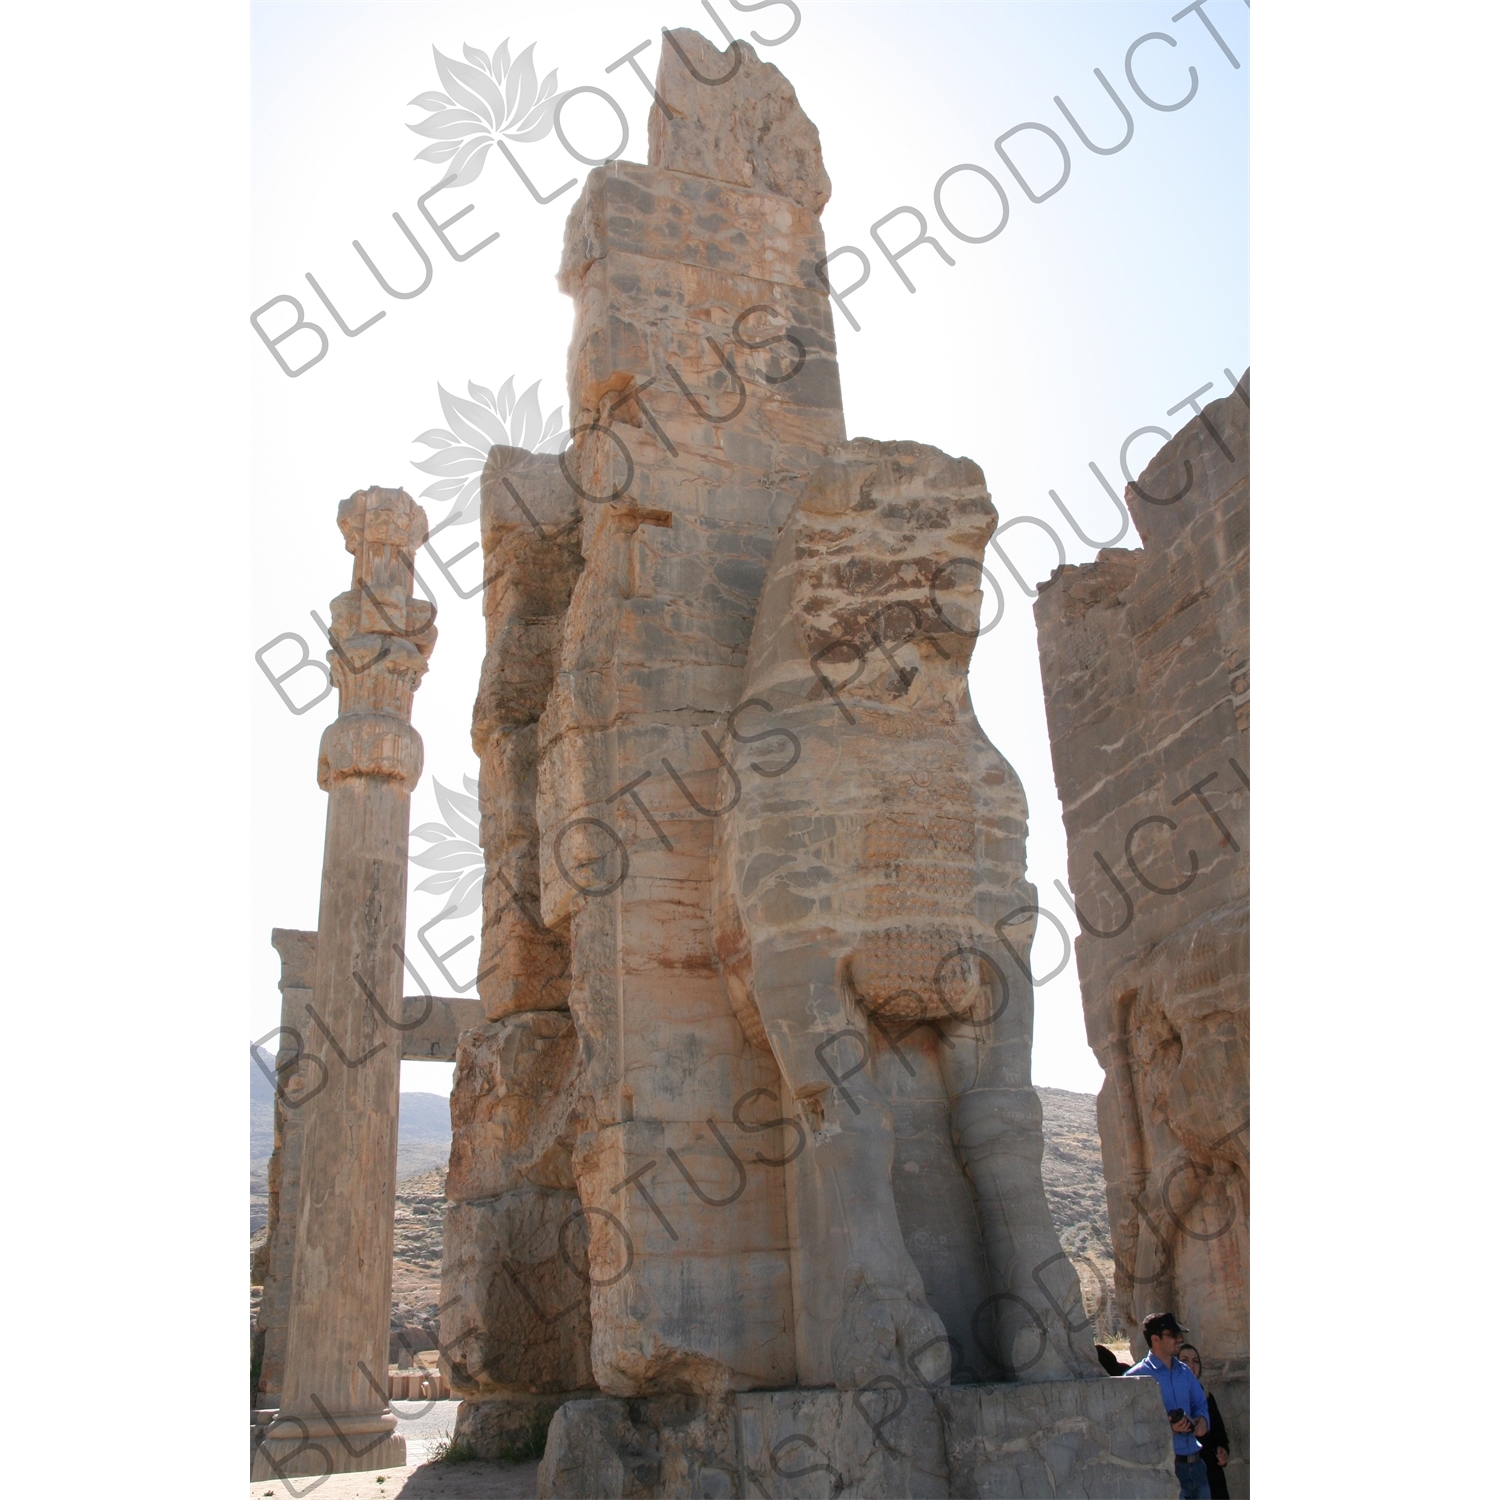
295,1082
334,1416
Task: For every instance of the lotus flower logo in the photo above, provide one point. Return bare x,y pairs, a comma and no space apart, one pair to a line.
455,853
474,427
488,98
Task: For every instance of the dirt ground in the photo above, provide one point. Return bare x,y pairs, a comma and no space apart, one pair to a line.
417,1482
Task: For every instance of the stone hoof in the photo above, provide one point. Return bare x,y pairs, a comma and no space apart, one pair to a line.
1073,1357
887,1332
1037,1347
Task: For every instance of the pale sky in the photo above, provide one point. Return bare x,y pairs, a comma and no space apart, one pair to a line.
1088,317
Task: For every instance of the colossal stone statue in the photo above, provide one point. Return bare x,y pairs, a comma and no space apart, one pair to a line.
860,889
746,1168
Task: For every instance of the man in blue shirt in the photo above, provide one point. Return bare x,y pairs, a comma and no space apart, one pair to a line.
1180,1394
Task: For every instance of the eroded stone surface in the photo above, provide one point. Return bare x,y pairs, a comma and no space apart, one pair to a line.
593,1448
704,390
515,1311
529,519
884,1440
667,1446
505,1425
1101,1439
516,1281
729,116
1145,667
861,888
512,1102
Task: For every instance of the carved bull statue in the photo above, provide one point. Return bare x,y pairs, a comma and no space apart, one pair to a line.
873,923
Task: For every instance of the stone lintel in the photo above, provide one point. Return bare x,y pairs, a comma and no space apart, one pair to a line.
436,1023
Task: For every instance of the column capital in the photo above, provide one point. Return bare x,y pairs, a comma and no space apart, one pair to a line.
375,520
370,744
381,638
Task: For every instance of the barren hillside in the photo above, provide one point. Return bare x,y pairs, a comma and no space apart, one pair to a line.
1073,1174
421,1143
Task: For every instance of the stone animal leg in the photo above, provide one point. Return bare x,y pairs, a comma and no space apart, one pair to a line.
861,1301
1032,1320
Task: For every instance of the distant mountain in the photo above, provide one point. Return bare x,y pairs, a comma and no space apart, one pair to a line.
424,1117
262,1099
262,1090
422,1142
424,1135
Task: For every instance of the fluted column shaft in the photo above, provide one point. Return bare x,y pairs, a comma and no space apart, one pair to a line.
334,1415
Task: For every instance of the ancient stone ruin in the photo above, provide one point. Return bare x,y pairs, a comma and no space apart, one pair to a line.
336,1298
746,1163
1146,673
745,1185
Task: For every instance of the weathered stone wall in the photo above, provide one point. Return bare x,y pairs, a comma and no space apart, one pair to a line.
529,520
1066,1438
1145,668
515,1313
515,1325
692,446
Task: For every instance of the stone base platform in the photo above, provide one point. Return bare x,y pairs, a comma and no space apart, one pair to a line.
503,1427
1099,1439
317,1457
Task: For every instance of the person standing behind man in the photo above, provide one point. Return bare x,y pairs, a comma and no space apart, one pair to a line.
1216,1444
1183,1398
